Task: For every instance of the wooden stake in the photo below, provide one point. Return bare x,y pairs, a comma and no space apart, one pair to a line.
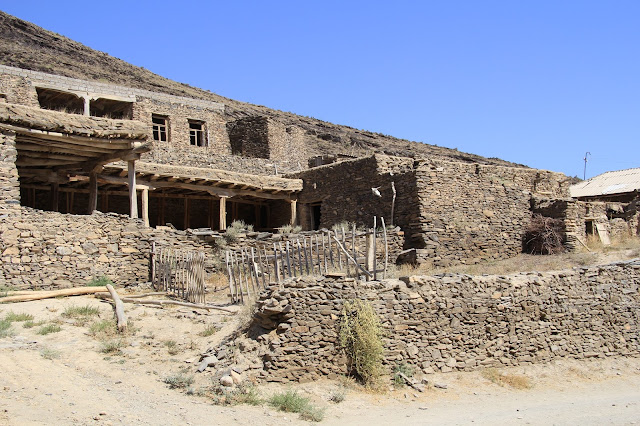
386,249
133,196
375,252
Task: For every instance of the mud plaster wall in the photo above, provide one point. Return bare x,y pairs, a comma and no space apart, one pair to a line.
453,322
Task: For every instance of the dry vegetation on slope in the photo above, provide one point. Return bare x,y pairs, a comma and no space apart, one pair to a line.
28,46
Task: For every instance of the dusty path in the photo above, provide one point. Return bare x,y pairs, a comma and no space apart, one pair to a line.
82,385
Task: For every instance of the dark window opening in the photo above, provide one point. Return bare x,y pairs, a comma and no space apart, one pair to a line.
57,100
160,128
196,133
109,108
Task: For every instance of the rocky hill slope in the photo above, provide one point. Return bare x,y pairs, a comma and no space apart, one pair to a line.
25,45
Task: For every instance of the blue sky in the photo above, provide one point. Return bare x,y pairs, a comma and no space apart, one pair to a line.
534,82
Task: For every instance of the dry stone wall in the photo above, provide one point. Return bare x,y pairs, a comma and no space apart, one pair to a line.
471,212
448,322
48,250
9,179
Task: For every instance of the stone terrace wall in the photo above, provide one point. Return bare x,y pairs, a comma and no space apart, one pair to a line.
48,250
472,212
450,322
9,180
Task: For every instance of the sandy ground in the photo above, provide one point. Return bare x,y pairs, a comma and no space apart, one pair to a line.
82,385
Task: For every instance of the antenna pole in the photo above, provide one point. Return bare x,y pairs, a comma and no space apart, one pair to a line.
584,176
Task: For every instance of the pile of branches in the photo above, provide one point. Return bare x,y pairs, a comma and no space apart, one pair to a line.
544,235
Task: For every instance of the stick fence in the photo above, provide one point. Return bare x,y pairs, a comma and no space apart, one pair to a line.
252,269
179,272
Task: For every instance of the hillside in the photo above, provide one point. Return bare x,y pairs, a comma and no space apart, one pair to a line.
28,46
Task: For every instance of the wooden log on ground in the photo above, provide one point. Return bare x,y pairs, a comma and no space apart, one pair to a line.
119,308
107,296
38,295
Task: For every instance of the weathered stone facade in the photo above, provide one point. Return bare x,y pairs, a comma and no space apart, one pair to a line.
260,137
449,322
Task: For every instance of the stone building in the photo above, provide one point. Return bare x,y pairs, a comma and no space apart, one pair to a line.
75,146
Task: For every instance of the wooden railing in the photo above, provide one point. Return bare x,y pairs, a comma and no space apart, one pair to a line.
353,254
179,272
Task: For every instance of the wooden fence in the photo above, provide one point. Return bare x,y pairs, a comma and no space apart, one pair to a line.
353,254
179,272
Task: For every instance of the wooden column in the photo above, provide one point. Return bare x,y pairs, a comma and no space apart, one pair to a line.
93,192
186,213
294,212
133,196
87,106
55,196
145,206
223,213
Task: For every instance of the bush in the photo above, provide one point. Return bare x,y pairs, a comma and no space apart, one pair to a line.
290,229
5,328
48,329
13,317
361,337
544,235
399,369
100,282
179,380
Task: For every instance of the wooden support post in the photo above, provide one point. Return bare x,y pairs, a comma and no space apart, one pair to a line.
55,196
133,196
186,213
161,220
223,213
145,206
87,106
294,212
93,192
371,254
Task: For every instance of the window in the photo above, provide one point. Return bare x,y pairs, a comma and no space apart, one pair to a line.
196,133
160,126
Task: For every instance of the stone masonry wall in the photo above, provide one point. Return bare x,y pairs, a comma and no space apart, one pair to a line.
470,212
178,115
449,322
18,90
49,250
345,192
9,180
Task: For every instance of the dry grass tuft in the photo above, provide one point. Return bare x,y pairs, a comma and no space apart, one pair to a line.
503,379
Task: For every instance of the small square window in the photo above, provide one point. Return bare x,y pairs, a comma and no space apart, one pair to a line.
196,133
160,128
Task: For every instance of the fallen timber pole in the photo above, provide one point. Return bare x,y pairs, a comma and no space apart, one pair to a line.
38,295
104,296
119,308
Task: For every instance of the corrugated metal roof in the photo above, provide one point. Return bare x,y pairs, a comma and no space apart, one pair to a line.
617,182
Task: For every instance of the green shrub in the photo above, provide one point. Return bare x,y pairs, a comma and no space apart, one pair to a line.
101,281
290,401
13,317
360,336
399,369
103,328
48,329
210,330
48,353
290,229
112,347
5,328
241,395
81,313
234,230
338,395
179,380
172,347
